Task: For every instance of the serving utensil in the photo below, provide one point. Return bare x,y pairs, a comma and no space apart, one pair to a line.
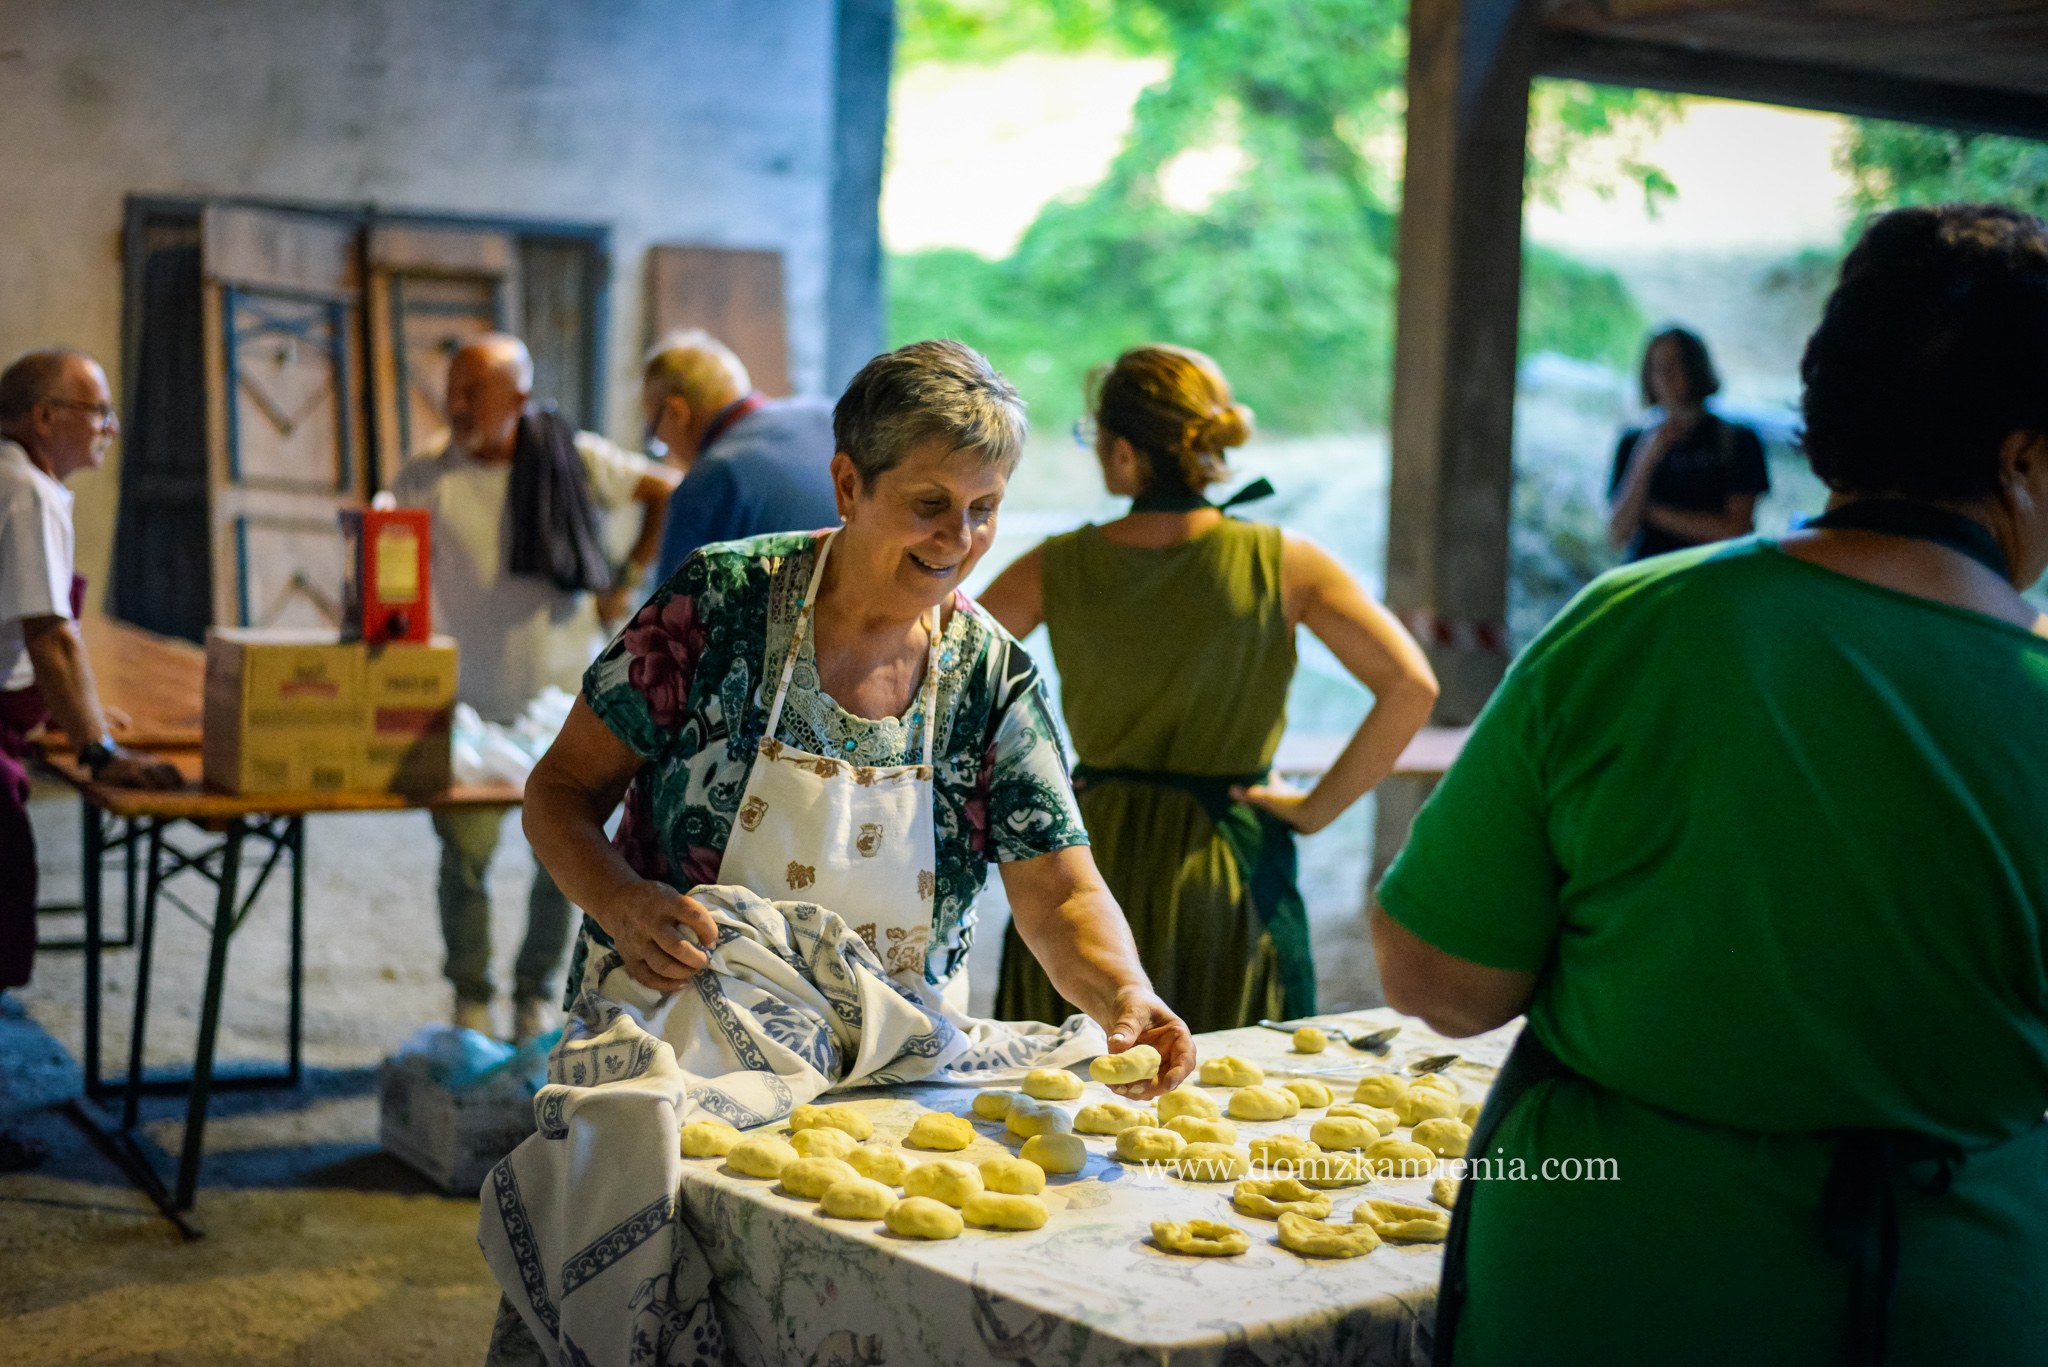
1373,1042
1435,1063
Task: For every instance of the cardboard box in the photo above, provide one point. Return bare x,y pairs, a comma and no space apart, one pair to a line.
452,1137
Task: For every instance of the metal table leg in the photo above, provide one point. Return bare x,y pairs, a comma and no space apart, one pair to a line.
224,918
295,837
145,959
90,839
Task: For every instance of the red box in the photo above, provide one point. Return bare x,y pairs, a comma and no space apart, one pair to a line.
388,595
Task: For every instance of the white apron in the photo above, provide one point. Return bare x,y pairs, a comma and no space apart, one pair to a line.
860,841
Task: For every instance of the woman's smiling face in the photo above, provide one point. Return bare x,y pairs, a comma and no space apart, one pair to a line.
915,535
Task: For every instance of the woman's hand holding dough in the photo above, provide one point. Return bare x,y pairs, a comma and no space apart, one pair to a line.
1231,1071
920,1217
832,1118
708,1139
879,1162
857,1199
1187,1101
942,1179
1197,1130
810,1177
940,1130
1052,1084
1274,1197
1012,1176
1111,1117
823,1143
761,1155
1316,1239
1144,1144
1028,1118
1139,1063
1399,1221
1263,1103
1200,1238
1001,1210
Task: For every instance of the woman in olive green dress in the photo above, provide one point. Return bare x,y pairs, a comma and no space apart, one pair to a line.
1173,629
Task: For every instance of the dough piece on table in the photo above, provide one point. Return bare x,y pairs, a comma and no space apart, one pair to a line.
1263,1103
1145,1144
1004,1210
1056,1153
994,1103
1444,1138
1470,1115
1139,1063
1210,1163
1335,1170
1444,1191
1344,1132
1309,1040
1111,1117
857,1199
1187,1101
1271,1198
1028,1117
879,1162
810,1177
1012,1176
761,1155
1442,1082
1380,1118
940,1130
1052,1084
1400,1158
708,1139
1402,1223
823,1143
1427,1103
943,1179
920,1217
1282,1150
1318,1239
1381,1089
832,1118
1200,1238
1311,1094
1198,1130
1231,1071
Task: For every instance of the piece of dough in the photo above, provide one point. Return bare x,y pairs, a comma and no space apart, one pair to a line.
1311,1094
1335,1170
1444,1138
1319,1239
832,1118
761,1155
1309,1040
1444,1191
1381,1089
1470,1115
1274,1197
1442,1082
1146,1144
1231,1071
940,1130
823,1143
1056,1153
810,1177
1028,1117
920,1217
1403,1223
1210,1163
1282,1150
1187,1101
1139,1063
1111,1117
994,1104
1052,1084
1400,1158
879,1162
1381,1119
1012,1176
1263,1103
1197,1130
1004,1210
1427,1103
1200,1238
708,1139
943,1179
857,1199
1344,1132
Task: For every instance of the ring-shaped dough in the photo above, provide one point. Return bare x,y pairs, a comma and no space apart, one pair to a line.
939,1130
1187,1101
1028,1117
1200,1238
1056,1153
1282,1150
879,1162
761,1155
1139,1063
1309,1040
857,1199
1012,1176
1444,1191
1263,1103
943,1179
708,1139
1344,1132
1318,1239
823,1143
1274,1197
1401,1222
1311,1094
1381,1089
1444,1138
1145,1144
1052,1084
994,1103
1380,1118
1004,1210
1197,1130
920,1217
1111,1117
1427,1103
810,1178
832,1118
1231,1071
1210,1163
1400,1158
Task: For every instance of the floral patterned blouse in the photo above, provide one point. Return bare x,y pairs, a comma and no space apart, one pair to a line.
683,687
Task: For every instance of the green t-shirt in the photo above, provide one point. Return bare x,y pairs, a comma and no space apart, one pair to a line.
1774,840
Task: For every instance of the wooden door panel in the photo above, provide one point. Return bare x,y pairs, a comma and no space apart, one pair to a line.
291,570
289,362
735,295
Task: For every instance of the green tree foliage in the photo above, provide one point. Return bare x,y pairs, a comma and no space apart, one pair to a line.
1891,165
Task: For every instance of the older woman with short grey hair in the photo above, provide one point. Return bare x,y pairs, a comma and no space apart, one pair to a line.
823,716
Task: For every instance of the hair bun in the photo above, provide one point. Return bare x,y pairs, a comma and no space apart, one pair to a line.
1219,429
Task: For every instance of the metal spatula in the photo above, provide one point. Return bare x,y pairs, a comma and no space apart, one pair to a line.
1375,1042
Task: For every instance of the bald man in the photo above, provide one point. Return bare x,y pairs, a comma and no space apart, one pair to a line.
520,581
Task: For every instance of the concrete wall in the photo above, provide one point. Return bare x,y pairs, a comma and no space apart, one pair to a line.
708,121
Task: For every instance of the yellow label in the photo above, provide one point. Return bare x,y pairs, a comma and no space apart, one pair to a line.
398,565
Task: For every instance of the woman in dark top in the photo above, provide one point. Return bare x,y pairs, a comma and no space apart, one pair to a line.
1692,477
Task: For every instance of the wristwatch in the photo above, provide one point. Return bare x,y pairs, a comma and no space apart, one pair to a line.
97,756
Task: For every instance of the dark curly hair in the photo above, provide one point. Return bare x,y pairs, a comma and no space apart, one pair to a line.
1932,352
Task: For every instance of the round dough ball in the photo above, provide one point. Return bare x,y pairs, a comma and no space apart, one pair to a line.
943,1179
920,1217
1399,1221
1470,1115
1444,1138
1442,1082
1263,1103
1319,1239
1311,1094
1272,1198
1028,1117
1052,1084
1004,1210
1309,1040
1381,1089
1335,1170
1400,1158
708,1139
1210,1163
1282,1150
810,1177
1111,1117
941,1131
1197,1130
1012,1176
832,1118
761,1155
1145,1144
1427,1103
857,1199
1200,1238
1444,1191
1139,1063
1187,1101
1056,1153
823,1143
880,1163
994,1104
1379,1117
1231,1071
1343,1132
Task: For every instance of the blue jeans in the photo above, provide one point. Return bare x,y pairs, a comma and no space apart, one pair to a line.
469,837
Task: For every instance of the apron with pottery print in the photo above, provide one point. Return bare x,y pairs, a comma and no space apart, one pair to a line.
858,840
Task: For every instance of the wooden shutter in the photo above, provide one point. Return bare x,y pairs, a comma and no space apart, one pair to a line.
736,296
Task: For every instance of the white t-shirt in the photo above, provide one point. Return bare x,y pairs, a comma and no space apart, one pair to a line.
37,552
517,634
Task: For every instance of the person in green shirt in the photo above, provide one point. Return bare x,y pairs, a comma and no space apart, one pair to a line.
1754,836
